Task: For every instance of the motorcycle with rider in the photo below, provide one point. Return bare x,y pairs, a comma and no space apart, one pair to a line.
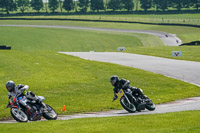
27,106
131,98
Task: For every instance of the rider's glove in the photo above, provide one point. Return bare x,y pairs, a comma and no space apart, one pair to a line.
115,98
8,106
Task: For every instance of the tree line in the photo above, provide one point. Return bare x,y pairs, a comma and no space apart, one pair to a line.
96,5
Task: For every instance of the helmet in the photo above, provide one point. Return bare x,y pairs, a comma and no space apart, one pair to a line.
114,79
10,84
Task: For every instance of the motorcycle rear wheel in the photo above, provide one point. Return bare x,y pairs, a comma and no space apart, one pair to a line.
18,115
128,107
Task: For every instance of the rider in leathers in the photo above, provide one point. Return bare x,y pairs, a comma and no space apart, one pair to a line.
19,92
124,84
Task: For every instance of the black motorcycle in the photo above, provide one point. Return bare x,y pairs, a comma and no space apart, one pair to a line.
134,103
19,112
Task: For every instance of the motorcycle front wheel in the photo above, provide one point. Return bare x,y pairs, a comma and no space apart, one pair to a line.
128,107
18,115
49,113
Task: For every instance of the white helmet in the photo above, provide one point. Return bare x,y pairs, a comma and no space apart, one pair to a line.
10,84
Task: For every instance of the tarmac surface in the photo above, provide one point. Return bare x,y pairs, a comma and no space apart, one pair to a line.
167,38
180,105
187,71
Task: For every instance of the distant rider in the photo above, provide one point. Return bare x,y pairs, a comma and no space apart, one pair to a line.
124,84
19,92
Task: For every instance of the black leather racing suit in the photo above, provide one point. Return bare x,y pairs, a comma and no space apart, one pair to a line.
124,84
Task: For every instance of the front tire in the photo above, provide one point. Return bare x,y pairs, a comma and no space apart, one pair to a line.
18,115
128,107
50,113
151,107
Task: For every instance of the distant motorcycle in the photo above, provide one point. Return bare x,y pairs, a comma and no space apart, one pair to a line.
134,103
19,113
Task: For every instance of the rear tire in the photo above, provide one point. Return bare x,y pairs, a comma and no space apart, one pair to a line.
19,116
128,107
50,114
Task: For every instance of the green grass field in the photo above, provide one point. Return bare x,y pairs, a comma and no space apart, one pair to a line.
79,84
187,34
180,122
35,39
186,18
150,18
191,53
83,85
132,42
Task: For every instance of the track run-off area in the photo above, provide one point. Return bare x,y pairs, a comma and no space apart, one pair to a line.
180,105
187,71
167,38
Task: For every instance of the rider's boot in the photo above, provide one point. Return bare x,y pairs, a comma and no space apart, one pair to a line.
35,116
146,98
41,103
45,108
29,110
138,107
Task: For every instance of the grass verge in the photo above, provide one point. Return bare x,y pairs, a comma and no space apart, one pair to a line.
179,122
39,39
81,85
147,18
35,39
186,34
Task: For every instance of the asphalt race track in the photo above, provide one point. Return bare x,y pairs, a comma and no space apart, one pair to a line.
180,105
188,71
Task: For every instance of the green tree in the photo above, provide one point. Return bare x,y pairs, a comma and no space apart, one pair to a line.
179,4
53,5
128,4
105,4
37,5
45,4
76,6
68,5
60,5
83,4
97,5
146,4
115,4
8,5
23,5
137,4
163,5
195,3
155,4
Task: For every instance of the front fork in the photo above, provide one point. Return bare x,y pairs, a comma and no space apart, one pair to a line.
18,107
43,105
127,99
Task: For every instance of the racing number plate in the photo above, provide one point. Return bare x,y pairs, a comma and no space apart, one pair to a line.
120,93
